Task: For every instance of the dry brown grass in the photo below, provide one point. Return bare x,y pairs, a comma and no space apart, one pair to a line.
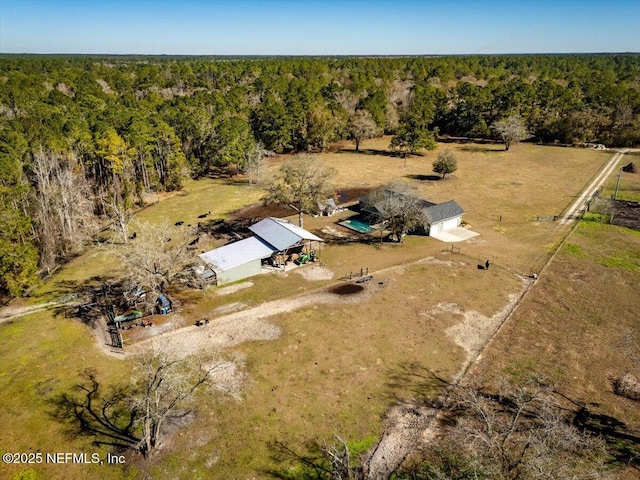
336,369
517,186
329,371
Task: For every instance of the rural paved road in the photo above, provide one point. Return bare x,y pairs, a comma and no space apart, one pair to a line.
572,213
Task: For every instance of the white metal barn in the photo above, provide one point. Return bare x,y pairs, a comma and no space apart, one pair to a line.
274,238
237,260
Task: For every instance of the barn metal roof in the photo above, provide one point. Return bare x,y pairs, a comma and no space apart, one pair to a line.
237,253
281,234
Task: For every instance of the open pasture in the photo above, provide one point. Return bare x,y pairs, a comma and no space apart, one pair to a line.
569,329
336,368
502,192
333,366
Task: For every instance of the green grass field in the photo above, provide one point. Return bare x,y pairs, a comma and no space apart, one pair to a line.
42,356
569,327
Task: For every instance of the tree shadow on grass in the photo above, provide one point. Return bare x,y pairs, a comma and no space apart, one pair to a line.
622,443
478,149
319,460
468,140
585,418
99,297
235,180
333,239
105,417
431,178
414,381
231,229
309,458
383,153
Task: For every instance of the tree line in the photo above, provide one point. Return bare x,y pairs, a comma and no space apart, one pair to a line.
84,139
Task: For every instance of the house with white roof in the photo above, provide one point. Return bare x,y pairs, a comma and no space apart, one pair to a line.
275,242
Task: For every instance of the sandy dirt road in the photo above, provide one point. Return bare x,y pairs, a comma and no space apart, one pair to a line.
597,182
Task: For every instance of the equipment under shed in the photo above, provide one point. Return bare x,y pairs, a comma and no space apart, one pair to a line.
276,242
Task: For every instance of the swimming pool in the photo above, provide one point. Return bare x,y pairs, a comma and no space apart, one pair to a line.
357,225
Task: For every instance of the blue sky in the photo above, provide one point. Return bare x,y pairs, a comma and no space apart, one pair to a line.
313,27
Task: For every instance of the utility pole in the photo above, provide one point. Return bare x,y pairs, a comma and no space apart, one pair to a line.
615,195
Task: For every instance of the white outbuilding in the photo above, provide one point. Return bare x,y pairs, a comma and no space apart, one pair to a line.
275,241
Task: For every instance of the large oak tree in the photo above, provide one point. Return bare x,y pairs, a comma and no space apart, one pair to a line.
303,182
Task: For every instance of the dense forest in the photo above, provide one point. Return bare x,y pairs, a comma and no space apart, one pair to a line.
84,139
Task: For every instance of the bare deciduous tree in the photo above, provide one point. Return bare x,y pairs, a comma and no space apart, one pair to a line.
64,206
156,255
348,100
341,466
162,390
399,208
134,416
119,214
254,165
517,433
400,90
361,127
626,383
303,182
512,130
322,461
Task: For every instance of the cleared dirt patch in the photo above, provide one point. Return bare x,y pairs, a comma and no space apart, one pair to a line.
260,211
314,273
228,308
627,214
235,328
233,288
229,376
476,329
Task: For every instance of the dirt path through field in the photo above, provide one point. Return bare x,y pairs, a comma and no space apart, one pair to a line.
597,182
409,425
230,330
10,313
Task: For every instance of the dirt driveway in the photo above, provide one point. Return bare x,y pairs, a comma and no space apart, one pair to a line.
250,324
